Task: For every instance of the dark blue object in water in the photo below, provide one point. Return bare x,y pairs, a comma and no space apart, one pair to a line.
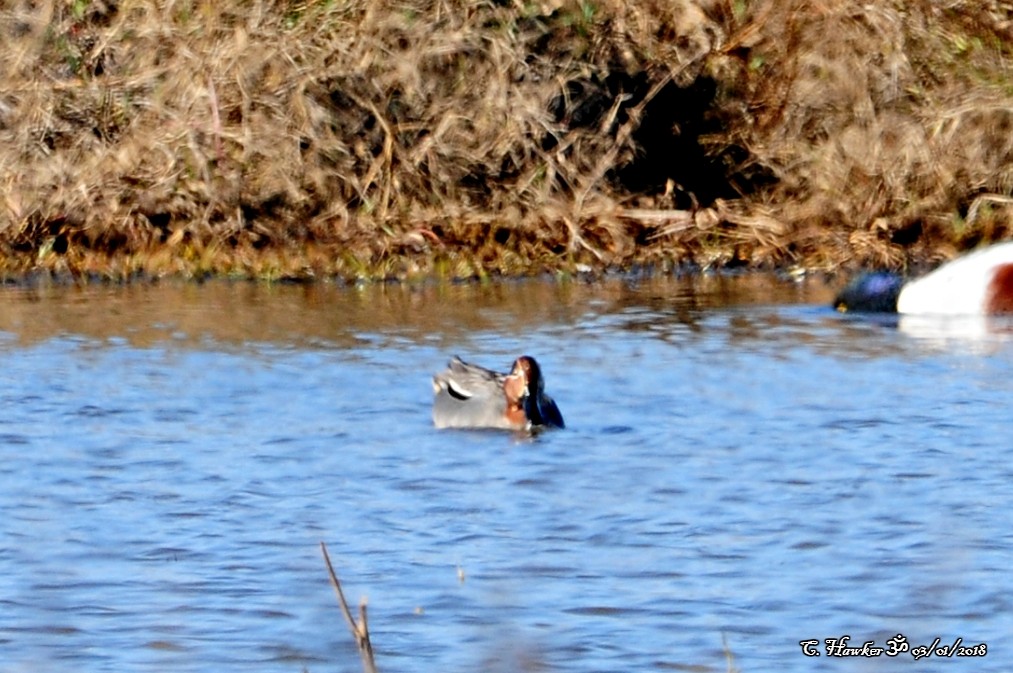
875,292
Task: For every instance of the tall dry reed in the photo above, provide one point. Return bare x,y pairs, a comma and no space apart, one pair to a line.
357,138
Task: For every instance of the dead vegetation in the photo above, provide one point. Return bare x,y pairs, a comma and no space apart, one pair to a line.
358,627
440,137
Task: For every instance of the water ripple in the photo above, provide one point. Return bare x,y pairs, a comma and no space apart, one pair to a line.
750,474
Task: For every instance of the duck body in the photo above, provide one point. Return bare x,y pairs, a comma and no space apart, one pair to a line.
470,396
979,283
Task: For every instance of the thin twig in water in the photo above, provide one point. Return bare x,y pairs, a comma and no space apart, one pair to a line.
360,629
729,657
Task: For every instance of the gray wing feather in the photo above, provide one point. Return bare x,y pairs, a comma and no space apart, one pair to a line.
468,396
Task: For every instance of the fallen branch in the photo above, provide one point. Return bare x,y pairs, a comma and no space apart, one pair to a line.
360,628
972,212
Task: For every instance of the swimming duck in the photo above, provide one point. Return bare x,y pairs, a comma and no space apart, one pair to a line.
469,396
979,283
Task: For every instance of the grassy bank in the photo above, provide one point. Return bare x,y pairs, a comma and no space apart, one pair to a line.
453,138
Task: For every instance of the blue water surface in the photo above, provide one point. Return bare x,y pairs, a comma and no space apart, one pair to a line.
742,469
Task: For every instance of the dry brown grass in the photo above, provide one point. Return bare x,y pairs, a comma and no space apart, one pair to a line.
894,118
306,139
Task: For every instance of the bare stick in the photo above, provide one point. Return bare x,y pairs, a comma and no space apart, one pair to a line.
972,212
360,629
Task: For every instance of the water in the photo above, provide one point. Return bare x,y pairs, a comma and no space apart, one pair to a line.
742,469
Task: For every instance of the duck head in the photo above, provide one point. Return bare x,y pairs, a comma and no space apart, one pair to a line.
871,293
525,388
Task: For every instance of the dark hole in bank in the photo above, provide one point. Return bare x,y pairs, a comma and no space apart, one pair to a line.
672,155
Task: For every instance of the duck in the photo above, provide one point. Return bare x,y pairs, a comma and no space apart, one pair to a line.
470,396
978,283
